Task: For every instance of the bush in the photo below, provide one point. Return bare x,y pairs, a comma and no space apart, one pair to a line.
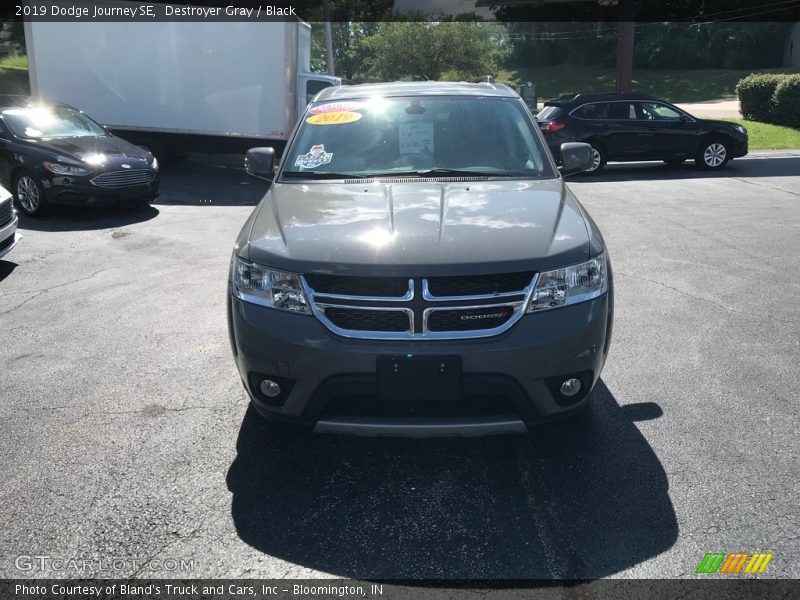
786,101
755,95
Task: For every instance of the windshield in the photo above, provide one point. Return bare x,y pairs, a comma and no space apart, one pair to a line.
428,135
50,122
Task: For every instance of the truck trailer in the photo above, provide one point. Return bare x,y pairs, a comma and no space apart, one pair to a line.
176,87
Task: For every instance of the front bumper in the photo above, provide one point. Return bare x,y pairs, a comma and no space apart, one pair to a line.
318,366
79,191
8,236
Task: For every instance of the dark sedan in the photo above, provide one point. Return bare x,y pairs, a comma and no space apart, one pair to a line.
58,155
633,126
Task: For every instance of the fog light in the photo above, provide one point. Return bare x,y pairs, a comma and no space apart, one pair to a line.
570,387
269,388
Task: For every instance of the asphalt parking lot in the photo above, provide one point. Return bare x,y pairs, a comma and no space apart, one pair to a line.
126,432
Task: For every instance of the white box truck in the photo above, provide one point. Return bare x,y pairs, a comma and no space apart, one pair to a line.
179,86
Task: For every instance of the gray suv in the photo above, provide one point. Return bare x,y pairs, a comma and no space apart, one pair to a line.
418,267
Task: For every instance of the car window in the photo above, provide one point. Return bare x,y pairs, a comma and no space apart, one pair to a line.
659,112
549,113
403,135
621,110
314,86
595,110
50,122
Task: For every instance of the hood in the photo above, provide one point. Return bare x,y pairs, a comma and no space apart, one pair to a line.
78,148
417,228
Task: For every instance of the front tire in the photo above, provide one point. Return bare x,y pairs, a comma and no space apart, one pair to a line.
29,195
713,155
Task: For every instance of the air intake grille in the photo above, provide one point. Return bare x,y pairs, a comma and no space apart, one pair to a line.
469,318
124,178
382,287
368,320
6,212
485,284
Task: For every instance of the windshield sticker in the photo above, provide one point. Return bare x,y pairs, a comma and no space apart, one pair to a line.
314,158
335,107
416,138
334,118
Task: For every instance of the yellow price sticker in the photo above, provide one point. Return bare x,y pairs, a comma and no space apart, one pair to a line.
334,118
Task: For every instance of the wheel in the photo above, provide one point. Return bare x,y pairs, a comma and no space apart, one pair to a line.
29,194
598,159
675,162
713,154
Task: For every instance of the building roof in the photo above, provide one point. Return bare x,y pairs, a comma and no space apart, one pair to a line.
414,88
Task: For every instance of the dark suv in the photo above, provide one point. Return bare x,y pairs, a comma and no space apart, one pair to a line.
632,127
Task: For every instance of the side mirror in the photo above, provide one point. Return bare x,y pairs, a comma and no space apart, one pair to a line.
260,162
576,157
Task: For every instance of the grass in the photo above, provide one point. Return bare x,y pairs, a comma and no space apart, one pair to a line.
671,85
19,61
764,136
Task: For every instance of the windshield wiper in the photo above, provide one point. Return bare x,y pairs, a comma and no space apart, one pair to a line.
321,175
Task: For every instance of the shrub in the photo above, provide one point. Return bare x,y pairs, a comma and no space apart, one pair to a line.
755,95
786,101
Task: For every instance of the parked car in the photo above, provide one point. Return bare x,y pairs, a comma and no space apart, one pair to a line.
633,127
8,222
418,267
56,154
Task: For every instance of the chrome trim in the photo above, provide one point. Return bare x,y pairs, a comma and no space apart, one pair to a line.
317,309
123,178
408,295
427,295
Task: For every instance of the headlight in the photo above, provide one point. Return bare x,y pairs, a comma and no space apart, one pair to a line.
154,163
741,129
276,289
60,169
570,285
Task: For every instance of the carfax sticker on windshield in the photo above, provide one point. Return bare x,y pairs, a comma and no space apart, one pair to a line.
335,107
315,157
334,118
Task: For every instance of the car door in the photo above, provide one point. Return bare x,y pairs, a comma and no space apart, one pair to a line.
616,125
6,154
669,133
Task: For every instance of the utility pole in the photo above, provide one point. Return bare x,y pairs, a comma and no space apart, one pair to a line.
625,39
326,9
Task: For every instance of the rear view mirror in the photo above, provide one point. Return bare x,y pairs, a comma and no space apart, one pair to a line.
260,162
576,157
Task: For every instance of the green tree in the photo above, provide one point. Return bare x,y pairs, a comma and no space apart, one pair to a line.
427,50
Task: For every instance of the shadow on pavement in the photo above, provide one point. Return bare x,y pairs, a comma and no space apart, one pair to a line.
580,499
6,268
779,166
210,180
77,218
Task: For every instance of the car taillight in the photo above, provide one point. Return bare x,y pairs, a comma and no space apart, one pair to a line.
552,126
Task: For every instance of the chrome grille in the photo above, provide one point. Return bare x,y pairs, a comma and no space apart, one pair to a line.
124,178
402,308
6,212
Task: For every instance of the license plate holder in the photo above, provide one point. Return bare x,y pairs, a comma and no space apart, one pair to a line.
420,377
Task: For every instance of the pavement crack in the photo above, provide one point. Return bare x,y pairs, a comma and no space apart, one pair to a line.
764,185
59,285
707,300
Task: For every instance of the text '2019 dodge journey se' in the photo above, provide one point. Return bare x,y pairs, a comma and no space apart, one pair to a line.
418,267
